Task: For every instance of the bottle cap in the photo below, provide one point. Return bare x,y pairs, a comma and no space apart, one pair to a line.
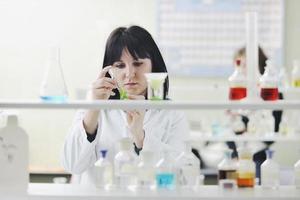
103,153
269,153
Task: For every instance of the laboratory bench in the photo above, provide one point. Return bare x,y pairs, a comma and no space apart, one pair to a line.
79,192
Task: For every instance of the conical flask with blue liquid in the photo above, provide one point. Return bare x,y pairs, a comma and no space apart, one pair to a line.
53,88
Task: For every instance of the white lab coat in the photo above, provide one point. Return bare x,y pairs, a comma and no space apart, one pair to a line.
164,130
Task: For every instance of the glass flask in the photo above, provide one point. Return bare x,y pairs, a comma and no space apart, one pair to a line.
155,87
53,88
269,172
227,171
165,172
269,83
124,162
297,174
246,168
146,171
187,168
104,171
237,83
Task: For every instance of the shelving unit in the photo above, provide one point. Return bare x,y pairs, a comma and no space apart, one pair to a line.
183,105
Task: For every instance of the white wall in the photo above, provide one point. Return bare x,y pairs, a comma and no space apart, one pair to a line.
81,27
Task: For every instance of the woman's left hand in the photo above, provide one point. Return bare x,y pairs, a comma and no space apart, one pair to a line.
135,119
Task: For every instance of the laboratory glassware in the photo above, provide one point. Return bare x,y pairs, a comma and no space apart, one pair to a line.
269,172
246,168
296,74
155,87
269,83
146,171
165,172
237,83
104,171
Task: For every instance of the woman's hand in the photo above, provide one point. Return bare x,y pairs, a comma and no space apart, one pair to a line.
135,119
102,87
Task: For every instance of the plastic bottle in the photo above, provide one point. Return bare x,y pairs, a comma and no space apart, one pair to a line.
297,174
237,83
187,168
296,74
124,162
246,168
269,83
14,176
104,171
53,88
146,171
165,172
227,171
269,172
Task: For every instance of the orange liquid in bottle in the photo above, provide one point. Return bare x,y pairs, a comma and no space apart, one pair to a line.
237,93
269,94
246,179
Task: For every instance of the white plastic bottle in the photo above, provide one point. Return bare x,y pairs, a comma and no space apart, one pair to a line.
124,163
269,83
146,171
14,176
104,171
165,172
269,172
237,83
296,74
187,168
297,174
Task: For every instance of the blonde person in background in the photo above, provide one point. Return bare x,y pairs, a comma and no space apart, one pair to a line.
133,52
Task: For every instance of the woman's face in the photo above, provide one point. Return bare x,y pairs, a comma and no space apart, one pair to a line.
129,73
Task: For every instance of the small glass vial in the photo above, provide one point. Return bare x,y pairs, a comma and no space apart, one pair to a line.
104,171
125,168
269,83
246,168
53,88
146,171
297,174
165,172
187,168
227,171
155,89
269,172
237,83
296,74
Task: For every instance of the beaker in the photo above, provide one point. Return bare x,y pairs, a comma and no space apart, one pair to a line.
155,82
123,93
53,88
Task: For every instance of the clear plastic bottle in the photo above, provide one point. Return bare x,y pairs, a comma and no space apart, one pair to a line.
237,83
269,172
146,171
227,171
125,168
269,83
53,88
104,171
246,168
187,168
297,174
165,172
296,74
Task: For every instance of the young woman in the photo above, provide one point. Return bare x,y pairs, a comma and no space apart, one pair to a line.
130,52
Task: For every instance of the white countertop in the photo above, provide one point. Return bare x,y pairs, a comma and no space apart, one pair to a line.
78,192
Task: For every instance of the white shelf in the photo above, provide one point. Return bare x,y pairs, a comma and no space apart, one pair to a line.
78,192
198,136
117,104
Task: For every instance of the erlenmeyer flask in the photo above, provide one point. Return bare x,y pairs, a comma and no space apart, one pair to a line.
53,88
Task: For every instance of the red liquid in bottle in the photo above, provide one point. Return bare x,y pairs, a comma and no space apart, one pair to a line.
269,94
237,93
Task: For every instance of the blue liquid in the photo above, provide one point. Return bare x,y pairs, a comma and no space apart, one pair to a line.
165,180
54,99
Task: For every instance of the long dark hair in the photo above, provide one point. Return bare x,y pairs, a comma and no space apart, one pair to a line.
139,44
